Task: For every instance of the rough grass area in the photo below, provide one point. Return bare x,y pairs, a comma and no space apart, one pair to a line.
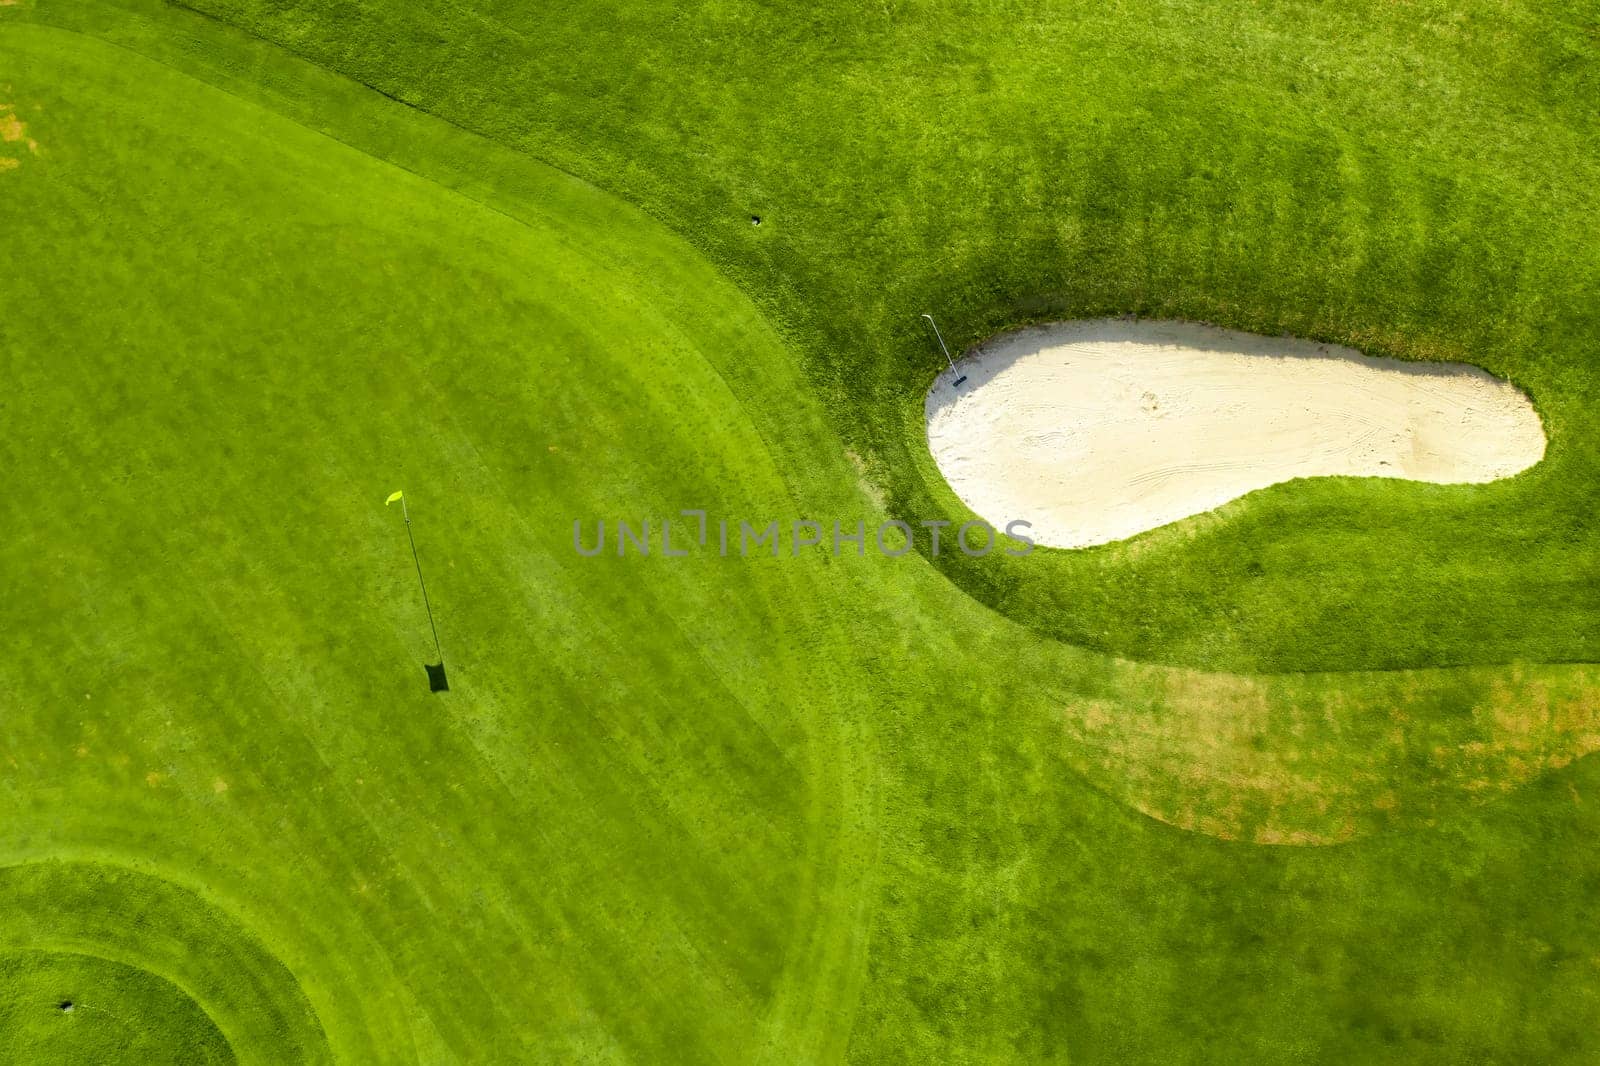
809,809
1415,179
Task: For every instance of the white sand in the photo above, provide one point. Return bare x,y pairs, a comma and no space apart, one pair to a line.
1097,430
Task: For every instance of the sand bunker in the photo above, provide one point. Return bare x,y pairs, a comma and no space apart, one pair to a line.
1097,430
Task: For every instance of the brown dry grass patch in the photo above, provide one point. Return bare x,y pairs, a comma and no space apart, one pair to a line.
1320,759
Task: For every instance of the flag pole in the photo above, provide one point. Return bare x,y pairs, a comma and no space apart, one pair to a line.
943,349
436,679
425,604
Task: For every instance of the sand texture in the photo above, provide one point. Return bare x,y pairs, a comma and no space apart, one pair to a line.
1097,430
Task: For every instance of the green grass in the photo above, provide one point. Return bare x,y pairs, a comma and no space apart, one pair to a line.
1417,179
808,809
134,1017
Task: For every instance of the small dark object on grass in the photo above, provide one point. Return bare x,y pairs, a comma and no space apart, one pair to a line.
65,1006
755,220
436,678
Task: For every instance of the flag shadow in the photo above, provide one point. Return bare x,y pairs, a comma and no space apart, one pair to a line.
436,678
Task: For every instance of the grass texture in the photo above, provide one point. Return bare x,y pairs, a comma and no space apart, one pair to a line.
1299,781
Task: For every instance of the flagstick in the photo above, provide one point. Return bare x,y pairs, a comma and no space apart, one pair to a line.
943,349
426,606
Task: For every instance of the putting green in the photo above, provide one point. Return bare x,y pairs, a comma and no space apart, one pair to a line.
131,1015
797,809
220,626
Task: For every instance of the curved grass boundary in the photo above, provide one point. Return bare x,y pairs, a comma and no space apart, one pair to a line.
1285,609
142,922
1427,193
68,1007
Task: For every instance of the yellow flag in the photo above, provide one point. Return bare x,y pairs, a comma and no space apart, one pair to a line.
391,499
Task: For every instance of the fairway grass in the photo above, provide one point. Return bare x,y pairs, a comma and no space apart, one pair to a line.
813,808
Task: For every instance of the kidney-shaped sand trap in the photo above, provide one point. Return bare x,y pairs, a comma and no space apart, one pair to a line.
1096,430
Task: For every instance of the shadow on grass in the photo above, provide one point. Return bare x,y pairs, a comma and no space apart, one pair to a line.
436,678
